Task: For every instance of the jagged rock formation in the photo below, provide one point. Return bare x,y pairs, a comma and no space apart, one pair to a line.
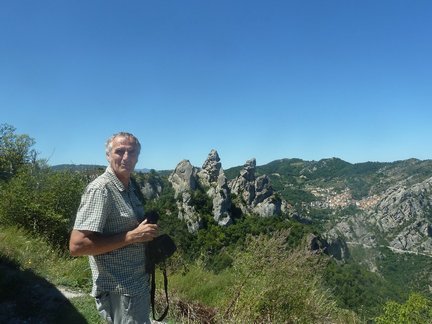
212,176
184,180
184,177
257,195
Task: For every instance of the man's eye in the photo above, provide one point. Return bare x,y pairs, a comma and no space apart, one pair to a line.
123,151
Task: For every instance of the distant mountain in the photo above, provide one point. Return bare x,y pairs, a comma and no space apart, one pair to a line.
77,167
87,167
362,179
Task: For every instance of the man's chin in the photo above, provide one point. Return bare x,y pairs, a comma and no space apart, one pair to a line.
126,169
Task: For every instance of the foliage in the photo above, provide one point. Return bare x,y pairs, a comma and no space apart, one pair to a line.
34,197
215,243
202,203
294,196
15,151
274,284
417,309
42,201
404,270
358,289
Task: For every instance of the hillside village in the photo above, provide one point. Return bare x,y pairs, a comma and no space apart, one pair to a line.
330,198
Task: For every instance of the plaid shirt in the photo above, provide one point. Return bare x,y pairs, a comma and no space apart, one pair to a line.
108,207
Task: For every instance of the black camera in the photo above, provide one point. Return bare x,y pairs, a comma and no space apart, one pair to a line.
152,217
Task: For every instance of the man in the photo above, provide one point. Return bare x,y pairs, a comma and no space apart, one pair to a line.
110,229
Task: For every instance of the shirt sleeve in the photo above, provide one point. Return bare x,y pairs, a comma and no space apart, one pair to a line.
93,210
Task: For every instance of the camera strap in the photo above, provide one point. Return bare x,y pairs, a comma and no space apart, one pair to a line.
153,292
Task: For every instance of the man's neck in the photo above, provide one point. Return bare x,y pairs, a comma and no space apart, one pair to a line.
124,179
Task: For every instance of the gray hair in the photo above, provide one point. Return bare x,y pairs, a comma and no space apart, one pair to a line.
108,144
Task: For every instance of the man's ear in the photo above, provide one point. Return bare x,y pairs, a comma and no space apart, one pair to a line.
107,157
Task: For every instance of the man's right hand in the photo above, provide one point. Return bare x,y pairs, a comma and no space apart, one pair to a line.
144,232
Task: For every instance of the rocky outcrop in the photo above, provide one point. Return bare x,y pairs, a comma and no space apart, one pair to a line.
184,180
212,177
256,194
404,216
187,212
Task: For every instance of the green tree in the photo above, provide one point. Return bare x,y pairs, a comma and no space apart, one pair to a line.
42,201
15,151
417,309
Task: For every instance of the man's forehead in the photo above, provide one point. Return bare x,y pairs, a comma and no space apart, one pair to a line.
123,141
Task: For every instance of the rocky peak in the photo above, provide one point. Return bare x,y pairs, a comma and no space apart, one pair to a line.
248,171
212,178
186,178
183,178
211,168
257,194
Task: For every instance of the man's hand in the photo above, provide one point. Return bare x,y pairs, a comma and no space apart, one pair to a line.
144,232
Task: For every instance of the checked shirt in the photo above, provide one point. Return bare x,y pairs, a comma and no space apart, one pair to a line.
108,207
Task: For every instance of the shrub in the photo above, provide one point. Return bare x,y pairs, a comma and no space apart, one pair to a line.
417,309
42,201
277,285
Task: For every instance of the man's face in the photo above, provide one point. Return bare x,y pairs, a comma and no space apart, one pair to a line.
123,156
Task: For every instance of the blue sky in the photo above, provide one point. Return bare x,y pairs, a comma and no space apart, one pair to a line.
264,79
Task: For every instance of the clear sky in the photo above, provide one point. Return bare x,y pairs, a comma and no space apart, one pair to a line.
265,79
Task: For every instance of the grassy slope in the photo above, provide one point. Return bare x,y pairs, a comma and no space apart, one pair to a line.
30,272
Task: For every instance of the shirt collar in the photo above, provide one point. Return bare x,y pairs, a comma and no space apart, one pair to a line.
116,180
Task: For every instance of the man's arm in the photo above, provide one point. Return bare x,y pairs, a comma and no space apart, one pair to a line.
93,243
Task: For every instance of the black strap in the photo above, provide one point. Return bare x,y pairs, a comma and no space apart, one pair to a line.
153,293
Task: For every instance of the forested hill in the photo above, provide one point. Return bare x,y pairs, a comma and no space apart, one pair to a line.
293,176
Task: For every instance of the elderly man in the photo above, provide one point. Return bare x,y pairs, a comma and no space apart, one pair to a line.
110,229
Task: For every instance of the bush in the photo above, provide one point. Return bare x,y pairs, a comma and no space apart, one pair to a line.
42,201
417,309
277,285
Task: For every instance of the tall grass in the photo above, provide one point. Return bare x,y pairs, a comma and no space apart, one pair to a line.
30,269
34,253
